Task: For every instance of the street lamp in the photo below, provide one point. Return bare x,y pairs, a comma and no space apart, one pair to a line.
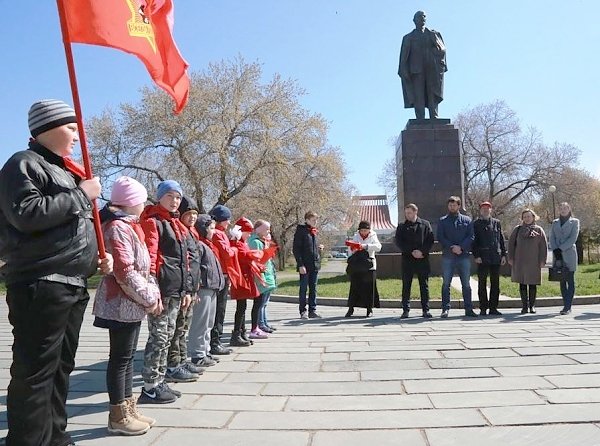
552,190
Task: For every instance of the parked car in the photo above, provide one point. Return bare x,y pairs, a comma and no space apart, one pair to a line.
341,255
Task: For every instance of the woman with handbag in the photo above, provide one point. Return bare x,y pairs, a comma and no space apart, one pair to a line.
563,235
362,269
527,252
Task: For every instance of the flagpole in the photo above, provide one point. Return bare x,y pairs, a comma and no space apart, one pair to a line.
77,105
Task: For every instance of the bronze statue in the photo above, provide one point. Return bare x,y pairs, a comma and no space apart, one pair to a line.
422,68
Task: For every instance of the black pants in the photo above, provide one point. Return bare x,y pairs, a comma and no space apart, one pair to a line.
482,274
420,267
46,319
217,330
240,313
119,373
528,294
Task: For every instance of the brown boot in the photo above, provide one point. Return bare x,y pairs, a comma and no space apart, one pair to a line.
120,422
133,411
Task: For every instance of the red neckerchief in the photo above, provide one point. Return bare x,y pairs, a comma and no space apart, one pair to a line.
74,167
313,231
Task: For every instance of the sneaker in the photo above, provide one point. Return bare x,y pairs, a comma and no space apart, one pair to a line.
564,311
445,314
404,315
304,315
313,315
470,313
193,367
158,395
495,313
219,349
266,329
270,327
483,312
214,358
427,315
204,362
180,375
166,387
257,333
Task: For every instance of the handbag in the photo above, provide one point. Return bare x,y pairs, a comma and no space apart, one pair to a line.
557,272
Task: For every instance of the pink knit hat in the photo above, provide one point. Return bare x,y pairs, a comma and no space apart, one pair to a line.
128,192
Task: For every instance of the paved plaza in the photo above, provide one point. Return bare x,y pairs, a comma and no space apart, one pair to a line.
512,380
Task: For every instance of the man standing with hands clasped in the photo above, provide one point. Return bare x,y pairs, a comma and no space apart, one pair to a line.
490,253
414,237
455,233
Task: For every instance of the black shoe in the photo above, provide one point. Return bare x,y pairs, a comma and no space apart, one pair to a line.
524,310
219,349
271,327
180,375
204,362
165,386
532,310
350,312
304,315
484,312
495,313
427,315
214,358
369,312
193,367
313,315
470,313
445,314
565,311
237,340
404,315
245,336
158,395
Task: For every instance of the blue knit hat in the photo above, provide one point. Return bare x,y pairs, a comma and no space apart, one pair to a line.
168,186
220,213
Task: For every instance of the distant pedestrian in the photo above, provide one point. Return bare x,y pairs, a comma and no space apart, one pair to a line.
563,237
307,251
527,252
362,266
490,254
455,233
414,238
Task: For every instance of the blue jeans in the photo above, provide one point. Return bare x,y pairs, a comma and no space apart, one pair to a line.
308,281
463,266
262,312
567,289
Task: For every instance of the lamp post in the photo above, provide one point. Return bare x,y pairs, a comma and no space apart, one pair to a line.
552,190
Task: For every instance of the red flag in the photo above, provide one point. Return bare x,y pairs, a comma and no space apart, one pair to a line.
140,27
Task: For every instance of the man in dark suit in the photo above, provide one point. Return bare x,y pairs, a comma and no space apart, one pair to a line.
490,253
414,237
422,67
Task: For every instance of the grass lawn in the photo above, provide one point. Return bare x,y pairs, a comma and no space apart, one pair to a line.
587,283
331,285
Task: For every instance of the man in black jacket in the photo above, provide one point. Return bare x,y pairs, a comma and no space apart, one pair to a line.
48,242
414,237
490,253
307,252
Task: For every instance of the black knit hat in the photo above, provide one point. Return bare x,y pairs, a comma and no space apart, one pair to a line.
187,204
364,225
47,114
202,224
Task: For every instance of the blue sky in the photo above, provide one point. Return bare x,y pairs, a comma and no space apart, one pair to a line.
540,56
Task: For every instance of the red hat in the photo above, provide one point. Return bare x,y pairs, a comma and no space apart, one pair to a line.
245,224
485,203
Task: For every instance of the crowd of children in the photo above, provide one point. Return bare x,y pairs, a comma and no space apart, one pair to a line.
177,267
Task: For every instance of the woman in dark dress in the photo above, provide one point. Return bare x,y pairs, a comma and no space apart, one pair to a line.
362,268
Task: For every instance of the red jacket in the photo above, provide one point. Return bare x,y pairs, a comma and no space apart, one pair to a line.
249,267
227,255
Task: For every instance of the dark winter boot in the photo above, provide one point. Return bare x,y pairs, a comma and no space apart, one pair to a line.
245,336
532,297
237,340
523,292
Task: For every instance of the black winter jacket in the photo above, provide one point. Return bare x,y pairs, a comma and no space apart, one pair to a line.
46,222
489,241
211,274
306,248
411,236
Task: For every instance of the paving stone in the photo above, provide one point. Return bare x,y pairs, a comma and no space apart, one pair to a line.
237,402
542,414
559,435
393,375
165,418
278,366
575,381
483,353
474,385
557,396
485,399
358,402
509,361
195,437
361,438
94,435
404,346
357,419
337,388
548,370
363,366
289,377
586,358
398,354
567,350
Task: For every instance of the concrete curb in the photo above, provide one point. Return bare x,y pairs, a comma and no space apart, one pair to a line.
437,303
